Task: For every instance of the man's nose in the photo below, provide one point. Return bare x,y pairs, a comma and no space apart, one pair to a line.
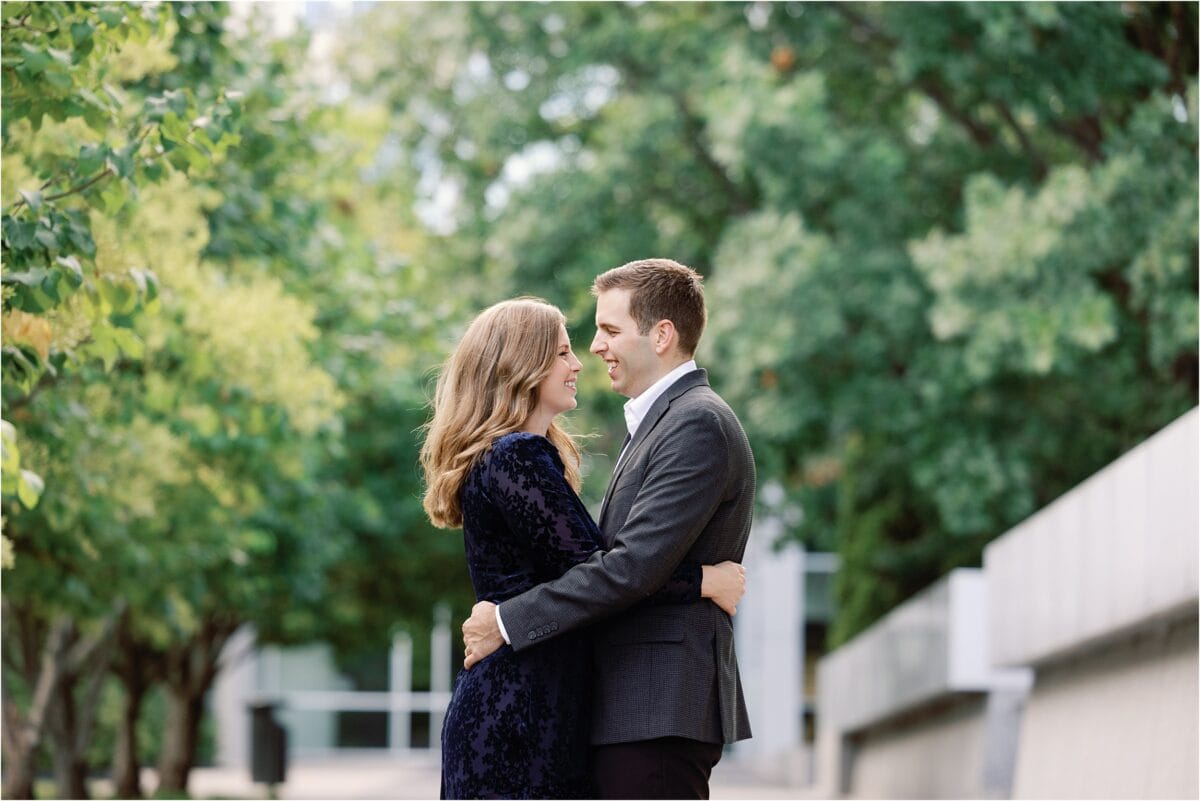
597,345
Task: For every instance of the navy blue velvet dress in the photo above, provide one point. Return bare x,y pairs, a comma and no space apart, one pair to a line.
518,723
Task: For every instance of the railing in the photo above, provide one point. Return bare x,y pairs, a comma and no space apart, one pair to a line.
267,675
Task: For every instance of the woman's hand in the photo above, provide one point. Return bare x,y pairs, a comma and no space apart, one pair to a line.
724,585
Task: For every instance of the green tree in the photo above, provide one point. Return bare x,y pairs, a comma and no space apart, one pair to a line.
922,225
316,198
77,147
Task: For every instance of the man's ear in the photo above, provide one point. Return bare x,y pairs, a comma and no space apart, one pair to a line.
664,336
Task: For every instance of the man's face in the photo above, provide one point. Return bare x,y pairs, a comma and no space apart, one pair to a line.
632,362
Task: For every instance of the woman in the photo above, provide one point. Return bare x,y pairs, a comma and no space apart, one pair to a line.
497,464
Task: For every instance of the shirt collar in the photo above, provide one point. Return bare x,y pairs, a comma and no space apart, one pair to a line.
636,408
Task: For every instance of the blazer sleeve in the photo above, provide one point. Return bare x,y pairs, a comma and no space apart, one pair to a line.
685,481
527,483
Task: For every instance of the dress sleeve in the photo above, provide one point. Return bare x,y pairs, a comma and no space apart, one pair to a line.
526,482
682,587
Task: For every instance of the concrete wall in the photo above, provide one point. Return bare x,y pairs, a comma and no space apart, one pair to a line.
1098,593
1120,722
909,759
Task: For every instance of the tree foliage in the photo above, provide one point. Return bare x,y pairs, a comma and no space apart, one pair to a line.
950,249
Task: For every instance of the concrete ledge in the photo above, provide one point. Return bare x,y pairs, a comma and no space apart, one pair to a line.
1117,552
932,646
913,706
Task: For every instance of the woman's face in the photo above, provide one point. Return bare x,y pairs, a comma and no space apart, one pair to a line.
556,393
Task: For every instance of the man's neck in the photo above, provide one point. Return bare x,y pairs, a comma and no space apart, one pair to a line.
666,368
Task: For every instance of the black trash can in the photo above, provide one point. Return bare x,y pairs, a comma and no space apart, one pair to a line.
268,745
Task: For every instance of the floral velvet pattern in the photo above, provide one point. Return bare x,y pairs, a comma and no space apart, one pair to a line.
518,723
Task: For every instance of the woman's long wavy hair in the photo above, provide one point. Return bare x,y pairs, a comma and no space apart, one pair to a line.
488,388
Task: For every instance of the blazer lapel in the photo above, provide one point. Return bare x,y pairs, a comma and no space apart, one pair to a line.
657,410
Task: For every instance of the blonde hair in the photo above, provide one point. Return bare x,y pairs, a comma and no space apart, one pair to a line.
488,388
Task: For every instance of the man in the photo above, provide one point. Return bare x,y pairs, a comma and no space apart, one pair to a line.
668,694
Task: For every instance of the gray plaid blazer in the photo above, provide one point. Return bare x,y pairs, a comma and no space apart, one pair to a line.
683,491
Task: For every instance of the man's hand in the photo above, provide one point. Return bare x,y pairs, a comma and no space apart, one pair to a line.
481,634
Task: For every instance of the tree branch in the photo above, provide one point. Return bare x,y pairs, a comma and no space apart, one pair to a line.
692,134
29,641
930,86
12,725
19,21
29,730
868,27
48,378
1086,133
91,649
107,171
1182,56
100,176
1031,151
939,94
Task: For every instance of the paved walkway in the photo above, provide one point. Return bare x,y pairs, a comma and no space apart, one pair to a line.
408,777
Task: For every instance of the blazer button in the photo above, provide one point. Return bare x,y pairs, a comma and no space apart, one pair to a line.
554,627
533,635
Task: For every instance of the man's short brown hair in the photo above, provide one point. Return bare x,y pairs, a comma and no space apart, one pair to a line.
661,289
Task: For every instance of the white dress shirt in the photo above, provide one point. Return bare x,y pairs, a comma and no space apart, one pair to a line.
637,408
635,412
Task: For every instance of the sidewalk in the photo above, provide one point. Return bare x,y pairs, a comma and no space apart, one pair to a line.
409,777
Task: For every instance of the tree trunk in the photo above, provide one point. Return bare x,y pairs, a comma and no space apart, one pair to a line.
23,732
70,769
127,769
131,669
18,758
190,671
178,756
137,666
75,702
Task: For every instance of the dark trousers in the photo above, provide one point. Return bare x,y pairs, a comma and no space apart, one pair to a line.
667,767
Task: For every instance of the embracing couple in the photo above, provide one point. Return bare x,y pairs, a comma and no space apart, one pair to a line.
640,704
